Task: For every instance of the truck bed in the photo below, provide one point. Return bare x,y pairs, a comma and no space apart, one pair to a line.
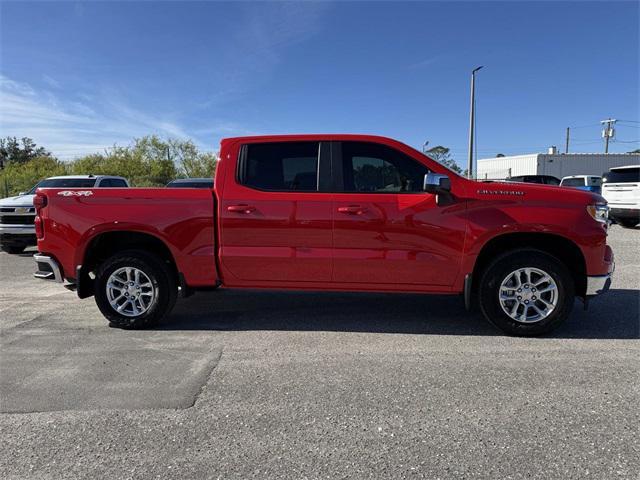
181,218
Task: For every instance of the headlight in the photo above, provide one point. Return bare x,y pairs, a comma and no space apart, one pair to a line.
599,212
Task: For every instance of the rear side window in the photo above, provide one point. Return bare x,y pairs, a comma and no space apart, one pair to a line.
573,182
624,175
190,184
375,168
283,167
112,182
594,181
551,181
67,183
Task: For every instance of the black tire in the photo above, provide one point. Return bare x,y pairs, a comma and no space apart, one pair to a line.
161,276
627,222
501,268
13,249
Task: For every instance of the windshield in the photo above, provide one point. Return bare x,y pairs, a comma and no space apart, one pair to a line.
624,175
64,183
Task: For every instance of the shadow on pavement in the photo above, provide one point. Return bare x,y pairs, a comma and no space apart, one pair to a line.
615,315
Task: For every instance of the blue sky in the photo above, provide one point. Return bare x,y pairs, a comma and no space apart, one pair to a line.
80,76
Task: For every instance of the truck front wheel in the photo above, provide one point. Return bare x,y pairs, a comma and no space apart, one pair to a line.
134,289
526,292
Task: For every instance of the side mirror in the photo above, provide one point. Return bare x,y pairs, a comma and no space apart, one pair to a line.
20,194
436,183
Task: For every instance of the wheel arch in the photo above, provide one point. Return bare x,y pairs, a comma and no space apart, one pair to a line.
105,244
558,246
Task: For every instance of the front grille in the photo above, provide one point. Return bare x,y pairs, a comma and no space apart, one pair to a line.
20,209
17,219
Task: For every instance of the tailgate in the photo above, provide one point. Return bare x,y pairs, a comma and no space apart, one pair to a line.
621,193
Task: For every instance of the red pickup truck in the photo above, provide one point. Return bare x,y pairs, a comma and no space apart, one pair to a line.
330,212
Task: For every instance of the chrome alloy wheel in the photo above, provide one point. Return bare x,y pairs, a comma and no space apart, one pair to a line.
528,295
130,291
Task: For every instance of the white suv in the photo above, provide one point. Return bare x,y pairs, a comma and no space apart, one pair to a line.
621,189
17,213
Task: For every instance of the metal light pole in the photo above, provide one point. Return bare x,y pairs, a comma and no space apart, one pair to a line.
472,120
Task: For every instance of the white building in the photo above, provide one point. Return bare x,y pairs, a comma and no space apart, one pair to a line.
556,164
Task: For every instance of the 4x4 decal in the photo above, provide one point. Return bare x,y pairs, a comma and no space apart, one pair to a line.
76,193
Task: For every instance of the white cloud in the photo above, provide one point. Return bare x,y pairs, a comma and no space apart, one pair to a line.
265,31
426,62
84,124
52,82
72,123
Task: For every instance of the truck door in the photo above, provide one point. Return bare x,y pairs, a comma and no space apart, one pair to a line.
387,230
275,218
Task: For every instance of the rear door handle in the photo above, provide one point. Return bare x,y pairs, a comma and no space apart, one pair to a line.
352,210
240,208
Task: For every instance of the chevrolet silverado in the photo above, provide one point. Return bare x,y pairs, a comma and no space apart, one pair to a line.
329,212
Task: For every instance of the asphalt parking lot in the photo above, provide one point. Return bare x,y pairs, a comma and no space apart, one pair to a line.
303,385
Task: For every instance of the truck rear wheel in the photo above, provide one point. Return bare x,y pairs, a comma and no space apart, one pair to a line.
134,289
526,292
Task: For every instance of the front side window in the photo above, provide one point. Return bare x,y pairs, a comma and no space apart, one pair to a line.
286,166
375,168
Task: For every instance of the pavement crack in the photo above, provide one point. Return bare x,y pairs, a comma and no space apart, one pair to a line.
214,361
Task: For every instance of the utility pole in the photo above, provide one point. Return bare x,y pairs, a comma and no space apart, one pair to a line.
566,146
608,132
472,120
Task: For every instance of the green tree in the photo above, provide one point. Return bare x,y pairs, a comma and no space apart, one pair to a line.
13,150
149,161
443,156
20,177
201,165
189,161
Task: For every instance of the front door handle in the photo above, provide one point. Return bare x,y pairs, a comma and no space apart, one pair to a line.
240,208
352,210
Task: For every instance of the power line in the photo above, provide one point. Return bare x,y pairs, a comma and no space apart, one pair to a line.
585,126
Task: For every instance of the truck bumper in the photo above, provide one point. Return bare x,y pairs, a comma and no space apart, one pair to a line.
18,235
597,284
17,229
47,268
